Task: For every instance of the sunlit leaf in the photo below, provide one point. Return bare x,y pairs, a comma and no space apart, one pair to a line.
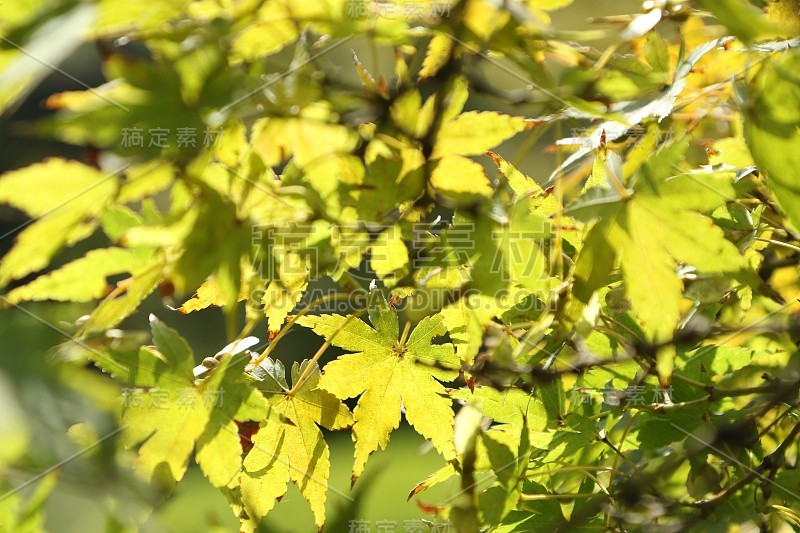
387,374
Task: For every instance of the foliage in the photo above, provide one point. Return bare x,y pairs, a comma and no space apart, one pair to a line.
607,344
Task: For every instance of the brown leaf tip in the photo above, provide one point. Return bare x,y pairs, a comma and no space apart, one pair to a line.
416,490
531,123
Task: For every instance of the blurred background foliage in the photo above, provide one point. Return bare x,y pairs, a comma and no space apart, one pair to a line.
49,405
43,399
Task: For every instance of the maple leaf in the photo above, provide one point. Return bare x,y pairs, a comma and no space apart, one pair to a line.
85,279
291,446
389,375
209,294
282,294
461,134
39,190
650,228
771,126
174,414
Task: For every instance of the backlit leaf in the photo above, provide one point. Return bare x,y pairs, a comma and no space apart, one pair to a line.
772,130
299,443
439,50
387,375
84,279
475,132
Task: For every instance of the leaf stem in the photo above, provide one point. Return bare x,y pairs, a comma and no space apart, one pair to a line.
285,329
571,468
404,335
778,243
325,345
539,497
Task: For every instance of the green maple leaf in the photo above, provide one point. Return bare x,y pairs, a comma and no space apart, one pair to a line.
389,374
164,425
209,294
437,55
218,449
291,446
85,279
772,130
174,415
461,134
115,307
470,133
43,191
283,294
649,229
389,258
